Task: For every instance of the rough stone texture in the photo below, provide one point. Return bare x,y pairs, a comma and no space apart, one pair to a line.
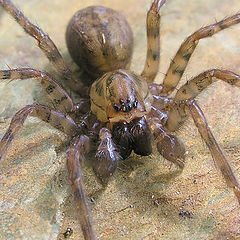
145,197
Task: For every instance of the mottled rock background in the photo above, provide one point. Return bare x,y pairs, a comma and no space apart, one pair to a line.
146,197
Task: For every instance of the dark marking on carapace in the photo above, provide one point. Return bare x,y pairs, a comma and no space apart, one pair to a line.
50,89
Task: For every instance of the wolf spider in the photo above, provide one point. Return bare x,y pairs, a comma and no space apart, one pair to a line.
124,111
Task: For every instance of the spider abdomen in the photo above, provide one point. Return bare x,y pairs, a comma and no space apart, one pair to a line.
100,40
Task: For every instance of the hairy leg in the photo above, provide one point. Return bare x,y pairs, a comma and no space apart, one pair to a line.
181,59
191,89
153,41
215,150
61,100
107,157
45,44
56,119
195,86
75,154
168,145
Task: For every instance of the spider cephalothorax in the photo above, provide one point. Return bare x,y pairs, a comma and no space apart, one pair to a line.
120,96
124,112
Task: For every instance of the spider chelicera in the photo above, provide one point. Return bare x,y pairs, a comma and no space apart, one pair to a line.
126,111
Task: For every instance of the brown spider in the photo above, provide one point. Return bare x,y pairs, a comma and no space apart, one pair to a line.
126,109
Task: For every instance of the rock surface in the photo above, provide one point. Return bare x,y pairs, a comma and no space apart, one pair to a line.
146,199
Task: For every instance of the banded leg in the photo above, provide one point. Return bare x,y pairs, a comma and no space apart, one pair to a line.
168,145
44,41
215,150
75,154
153,41
61,100
180,61
192,88
45,44
56,119
107,157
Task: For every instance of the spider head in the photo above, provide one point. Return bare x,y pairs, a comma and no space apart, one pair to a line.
125,105
125,109
120,96
125,101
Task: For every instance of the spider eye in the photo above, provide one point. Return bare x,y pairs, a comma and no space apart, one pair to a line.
116,107
134,104
121,101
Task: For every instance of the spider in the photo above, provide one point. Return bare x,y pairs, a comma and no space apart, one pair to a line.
126,111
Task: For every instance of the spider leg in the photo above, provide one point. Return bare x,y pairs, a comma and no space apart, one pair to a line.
62,101
191,89
44,43
75,153
153,41
168,145
57,119
180,61
107,157
215,150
